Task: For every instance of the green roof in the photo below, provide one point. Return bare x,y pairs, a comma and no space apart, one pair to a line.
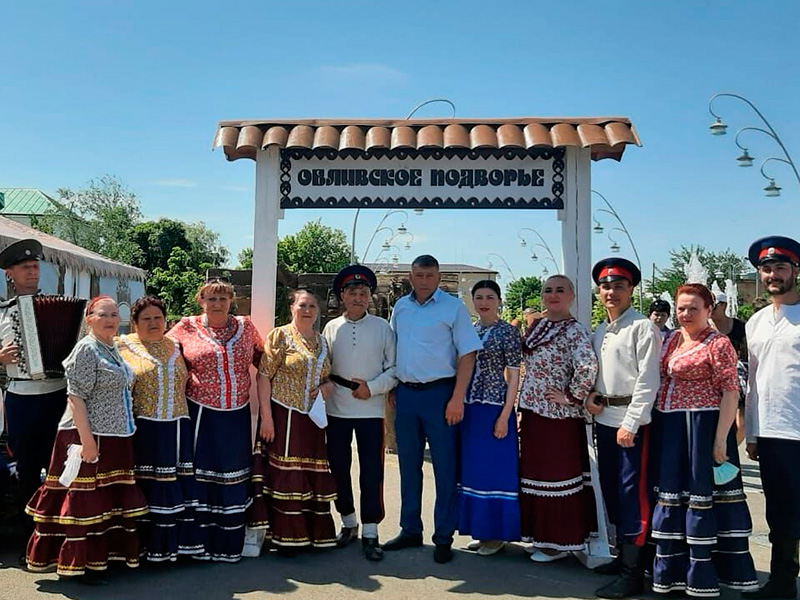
25,201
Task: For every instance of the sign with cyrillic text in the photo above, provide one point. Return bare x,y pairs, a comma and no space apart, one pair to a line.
487,178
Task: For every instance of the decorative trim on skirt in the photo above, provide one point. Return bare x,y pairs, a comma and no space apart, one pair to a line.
93,521
488,496
292,483
557,501
222,458
165,473
701,530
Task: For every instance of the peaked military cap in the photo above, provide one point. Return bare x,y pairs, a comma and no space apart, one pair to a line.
616,269
17,252
354,275
775,248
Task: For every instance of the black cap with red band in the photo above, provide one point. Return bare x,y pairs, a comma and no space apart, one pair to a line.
774,248
616,269
354,275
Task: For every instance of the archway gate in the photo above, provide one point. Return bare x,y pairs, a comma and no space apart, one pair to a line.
519,164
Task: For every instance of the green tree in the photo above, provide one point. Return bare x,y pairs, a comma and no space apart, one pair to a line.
205,246
522,293
316,248
670,279
157,239
177,284
98,217
245,258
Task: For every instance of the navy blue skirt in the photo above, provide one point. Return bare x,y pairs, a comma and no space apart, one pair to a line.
222,465
488,496
165,473
701,529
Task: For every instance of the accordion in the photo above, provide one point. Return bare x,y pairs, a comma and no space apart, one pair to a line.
46,329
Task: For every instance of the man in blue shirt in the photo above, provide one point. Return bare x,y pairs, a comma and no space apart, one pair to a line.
436,347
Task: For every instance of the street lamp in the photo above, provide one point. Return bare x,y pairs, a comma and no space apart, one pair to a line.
745,159
598,228
379,228
543,244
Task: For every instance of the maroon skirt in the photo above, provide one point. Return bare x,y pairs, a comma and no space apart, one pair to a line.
94,519
292,483
556,499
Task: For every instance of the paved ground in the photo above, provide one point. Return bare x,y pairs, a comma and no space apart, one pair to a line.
344,573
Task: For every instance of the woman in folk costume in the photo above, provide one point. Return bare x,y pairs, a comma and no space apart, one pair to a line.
488,497
163,443
293,484
701,526
557,504
83,523
219,349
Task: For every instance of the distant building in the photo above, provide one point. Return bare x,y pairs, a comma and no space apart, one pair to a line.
20,204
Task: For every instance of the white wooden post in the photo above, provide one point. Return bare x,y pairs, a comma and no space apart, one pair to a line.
576,241
265,239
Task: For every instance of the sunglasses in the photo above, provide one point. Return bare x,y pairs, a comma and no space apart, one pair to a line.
218,279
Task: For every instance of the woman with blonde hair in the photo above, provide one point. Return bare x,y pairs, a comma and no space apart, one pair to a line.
219,349
556,500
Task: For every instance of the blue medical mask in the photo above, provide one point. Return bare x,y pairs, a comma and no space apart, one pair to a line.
725,473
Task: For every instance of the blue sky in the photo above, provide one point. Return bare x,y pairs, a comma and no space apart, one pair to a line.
135,89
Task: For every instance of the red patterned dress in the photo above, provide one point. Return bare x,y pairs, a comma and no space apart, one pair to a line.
218,391
701,529
557,503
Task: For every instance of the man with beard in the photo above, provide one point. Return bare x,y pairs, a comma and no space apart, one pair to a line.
362,350
773,407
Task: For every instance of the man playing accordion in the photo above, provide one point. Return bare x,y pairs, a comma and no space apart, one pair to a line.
33,407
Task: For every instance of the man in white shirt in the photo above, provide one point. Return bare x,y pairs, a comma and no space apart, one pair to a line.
33,408
772,407
362,348
628,346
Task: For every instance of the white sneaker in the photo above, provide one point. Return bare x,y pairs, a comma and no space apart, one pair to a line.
489,548
541,557
474,545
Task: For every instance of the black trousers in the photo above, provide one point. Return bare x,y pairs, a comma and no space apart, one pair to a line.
779,462
32,427
369,441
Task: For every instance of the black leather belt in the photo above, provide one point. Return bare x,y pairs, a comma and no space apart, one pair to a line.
613,400
351,385
428,384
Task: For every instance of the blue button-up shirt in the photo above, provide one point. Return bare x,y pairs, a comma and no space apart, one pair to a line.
431,336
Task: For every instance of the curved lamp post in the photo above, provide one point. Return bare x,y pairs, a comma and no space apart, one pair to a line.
543,244
718,127
598,228
378,228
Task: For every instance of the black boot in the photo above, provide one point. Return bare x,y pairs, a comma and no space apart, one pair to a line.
631,578
611,568
783,569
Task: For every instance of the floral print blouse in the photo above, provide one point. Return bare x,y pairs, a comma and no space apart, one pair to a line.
218,359
97,375
695,378
159,388
501,350
558,354
294,366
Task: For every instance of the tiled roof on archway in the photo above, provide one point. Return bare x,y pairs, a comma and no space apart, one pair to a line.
607,137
